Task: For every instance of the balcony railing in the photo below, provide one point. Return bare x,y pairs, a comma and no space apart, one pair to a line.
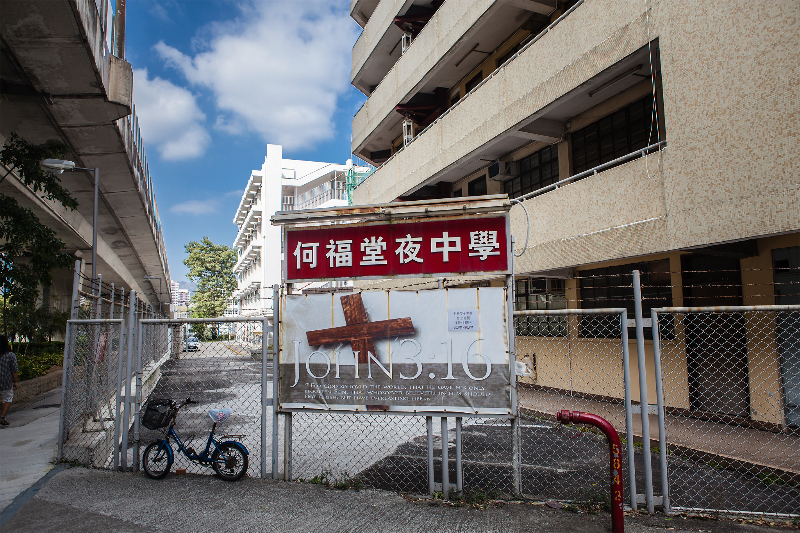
132,139
330,190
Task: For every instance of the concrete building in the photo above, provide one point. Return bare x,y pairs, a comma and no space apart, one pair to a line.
657,136
280,185
180,297
63,77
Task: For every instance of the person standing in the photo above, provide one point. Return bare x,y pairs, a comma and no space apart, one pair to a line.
9,376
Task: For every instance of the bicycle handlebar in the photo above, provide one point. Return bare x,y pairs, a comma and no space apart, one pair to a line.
187,401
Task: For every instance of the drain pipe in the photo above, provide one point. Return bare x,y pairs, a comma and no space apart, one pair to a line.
576,417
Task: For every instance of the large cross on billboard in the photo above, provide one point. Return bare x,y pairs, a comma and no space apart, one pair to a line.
359,331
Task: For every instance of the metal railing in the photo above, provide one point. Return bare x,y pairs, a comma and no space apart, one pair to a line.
134,147
593,171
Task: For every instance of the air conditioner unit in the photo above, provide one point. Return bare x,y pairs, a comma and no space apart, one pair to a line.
500,170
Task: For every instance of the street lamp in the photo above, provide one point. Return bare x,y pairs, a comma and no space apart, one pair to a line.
160,310
60,165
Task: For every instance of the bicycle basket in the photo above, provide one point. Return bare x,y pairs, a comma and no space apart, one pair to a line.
157,414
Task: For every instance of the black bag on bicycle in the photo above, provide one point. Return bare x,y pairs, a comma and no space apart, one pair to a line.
157,414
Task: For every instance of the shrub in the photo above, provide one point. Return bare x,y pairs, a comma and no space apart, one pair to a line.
35,358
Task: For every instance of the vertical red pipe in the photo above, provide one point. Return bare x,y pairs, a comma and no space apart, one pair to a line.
576,417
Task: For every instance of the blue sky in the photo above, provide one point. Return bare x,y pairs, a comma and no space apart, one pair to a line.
215,81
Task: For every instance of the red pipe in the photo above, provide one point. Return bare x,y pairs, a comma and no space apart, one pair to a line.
576,417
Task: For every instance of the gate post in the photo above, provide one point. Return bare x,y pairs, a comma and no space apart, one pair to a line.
648,467
276,314
128,372
626,371
662,429
264,399
65,374
138,401
120,359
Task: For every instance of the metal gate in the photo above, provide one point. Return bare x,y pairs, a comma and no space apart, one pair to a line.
91,381
718,460
217,362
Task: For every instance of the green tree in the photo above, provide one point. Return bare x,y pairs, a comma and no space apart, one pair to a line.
211,267
29,250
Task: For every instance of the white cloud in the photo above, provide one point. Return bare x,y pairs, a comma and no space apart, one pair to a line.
169,117
196,207
276,71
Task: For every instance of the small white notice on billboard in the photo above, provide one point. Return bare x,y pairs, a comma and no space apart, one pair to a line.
462,320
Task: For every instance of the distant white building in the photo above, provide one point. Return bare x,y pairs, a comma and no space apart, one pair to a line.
180,297
280,185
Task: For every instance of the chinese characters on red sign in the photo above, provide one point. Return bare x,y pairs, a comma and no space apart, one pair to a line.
465,246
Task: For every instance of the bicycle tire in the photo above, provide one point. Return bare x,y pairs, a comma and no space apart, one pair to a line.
232,465
157,461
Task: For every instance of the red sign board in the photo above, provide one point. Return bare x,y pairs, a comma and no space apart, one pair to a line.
477,245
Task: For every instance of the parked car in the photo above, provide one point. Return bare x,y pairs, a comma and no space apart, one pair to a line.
192,345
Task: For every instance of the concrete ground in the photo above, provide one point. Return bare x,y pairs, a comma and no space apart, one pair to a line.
780,451
27,444
79,499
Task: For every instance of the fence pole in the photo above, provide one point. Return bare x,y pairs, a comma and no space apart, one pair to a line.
431,484
459,469
445,462
626,365
138,400
264,399
287,447
276,314
128,371
662,427
65,374
643,400
120,359
516,445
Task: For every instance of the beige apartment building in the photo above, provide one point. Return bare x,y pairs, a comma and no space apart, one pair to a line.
654,135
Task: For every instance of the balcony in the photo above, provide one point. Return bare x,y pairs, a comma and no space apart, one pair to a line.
530,98
457,39
617,213
248,226
378,46
251,252
361,10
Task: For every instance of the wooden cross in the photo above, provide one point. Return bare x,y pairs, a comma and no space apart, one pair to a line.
359,331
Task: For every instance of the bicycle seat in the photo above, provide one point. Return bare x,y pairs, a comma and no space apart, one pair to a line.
219,415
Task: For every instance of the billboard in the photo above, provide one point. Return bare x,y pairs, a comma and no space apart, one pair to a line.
435,351
379,250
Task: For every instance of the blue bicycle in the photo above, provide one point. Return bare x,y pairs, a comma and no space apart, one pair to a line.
228,458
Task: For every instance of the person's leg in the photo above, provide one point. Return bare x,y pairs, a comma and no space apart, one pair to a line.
6,397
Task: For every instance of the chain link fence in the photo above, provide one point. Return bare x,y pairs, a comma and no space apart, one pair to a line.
92,374
730,384
576,362
730,381
219,365
370,450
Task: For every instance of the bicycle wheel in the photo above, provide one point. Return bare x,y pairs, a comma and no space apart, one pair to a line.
229,462
157,460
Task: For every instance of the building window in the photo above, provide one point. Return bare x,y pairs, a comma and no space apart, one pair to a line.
477,187
471,84
540,293
631,128
536,171
613,287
